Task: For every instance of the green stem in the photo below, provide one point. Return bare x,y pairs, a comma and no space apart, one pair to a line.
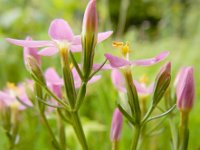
39,93
136,137
173,133
79,130
50,131
115,145
183,131
61,128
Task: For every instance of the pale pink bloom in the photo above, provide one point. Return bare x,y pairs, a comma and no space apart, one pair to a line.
9,97
61,35
77,79
31,51
119,83
53,78
54,82
185,88
117,62
116,126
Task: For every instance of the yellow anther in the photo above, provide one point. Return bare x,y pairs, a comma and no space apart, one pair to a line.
15,105
71,66
125,48
10,85
143,79
117,44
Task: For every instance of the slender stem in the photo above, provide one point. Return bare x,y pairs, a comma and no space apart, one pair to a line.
173,133
41,106
136,137
61,128
79,130
148,114
115,145
183,131
50,130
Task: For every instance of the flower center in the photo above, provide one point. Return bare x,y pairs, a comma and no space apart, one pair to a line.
63,46
143,79
124,47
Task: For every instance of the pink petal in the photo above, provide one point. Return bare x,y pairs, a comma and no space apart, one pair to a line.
52,77
105,67
116,62
103,36
116,127
76,48
77,79
118,80
59,29
26,43
94,79
30,51
48,51
142,89
6,98
151,61
77,40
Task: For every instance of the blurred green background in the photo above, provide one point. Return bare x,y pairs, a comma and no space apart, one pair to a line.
150,26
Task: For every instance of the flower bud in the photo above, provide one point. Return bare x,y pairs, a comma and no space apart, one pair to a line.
185,88
34,69
161,83
116,127
89,36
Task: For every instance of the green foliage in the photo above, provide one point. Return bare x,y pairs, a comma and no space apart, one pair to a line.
20,18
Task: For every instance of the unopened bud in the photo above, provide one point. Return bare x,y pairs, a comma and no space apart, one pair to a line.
185,89
34,69
161,83
89,36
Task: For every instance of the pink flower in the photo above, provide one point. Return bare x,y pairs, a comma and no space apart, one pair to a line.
116,126
9,96
53,79
54,82
33,52
117,62
119,83
61,36
185,88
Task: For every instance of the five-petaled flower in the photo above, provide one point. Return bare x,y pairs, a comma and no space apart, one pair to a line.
117,62
61,36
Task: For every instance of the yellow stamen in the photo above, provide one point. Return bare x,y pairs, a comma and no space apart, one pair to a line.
117,44
125,48
71,65
10,85
143,79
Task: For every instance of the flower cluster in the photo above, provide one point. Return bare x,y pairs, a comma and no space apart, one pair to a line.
65,93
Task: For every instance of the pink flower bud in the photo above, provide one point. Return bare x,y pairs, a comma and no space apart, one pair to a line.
116,127
161,83
90,19
30,51
185,88
89,36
